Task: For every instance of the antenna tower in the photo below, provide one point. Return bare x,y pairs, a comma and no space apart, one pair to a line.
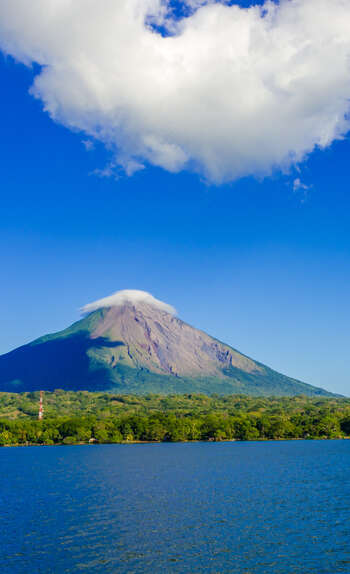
41,408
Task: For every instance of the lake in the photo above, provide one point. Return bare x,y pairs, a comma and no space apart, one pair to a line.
238,507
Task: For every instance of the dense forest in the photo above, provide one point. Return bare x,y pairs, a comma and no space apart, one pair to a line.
83,417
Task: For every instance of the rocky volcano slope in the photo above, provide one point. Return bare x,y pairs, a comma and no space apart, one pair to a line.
138,347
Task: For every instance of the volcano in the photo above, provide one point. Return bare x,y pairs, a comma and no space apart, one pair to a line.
132,343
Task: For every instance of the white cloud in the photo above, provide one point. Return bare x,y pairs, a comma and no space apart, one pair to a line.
128,296
302,189
299,185
232,92
88,144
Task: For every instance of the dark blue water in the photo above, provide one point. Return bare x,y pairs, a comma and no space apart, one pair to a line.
252,508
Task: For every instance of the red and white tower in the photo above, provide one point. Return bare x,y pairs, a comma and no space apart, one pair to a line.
41,408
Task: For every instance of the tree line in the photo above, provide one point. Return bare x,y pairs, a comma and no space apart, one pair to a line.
173,427
83,417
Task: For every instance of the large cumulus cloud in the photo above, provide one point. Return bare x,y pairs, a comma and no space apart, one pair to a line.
228,92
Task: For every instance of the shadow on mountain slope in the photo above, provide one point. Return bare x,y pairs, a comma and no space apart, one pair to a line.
57,363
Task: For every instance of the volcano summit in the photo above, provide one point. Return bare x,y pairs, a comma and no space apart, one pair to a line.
131,342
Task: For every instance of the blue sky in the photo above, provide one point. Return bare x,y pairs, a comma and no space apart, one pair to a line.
254,262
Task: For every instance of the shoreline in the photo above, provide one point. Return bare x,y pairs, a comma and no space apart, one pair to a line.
140,442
